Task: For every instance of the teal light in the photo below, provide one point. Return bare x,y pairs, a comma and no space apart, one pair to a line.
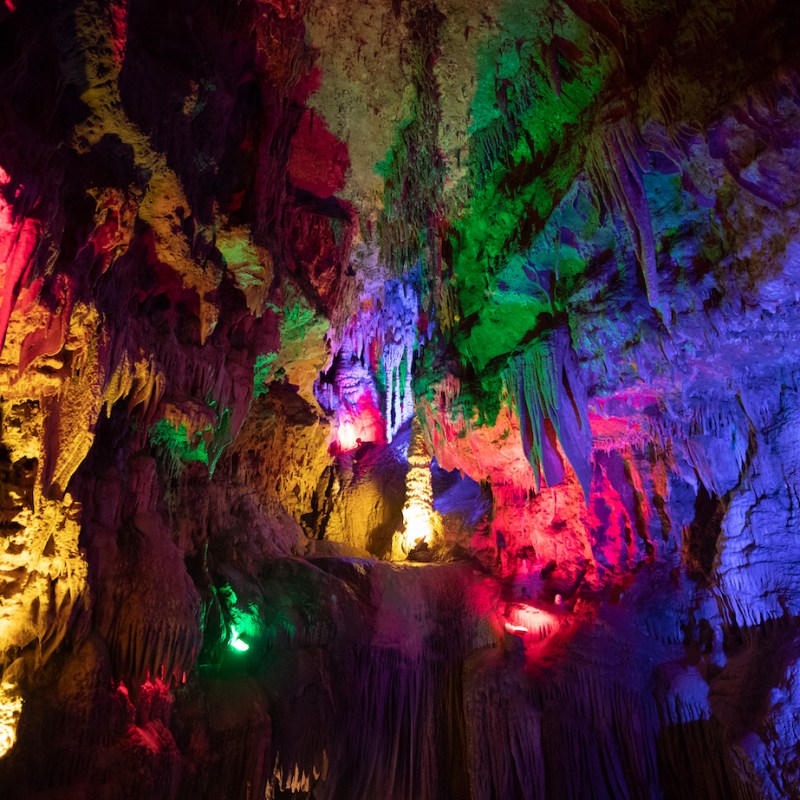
238,644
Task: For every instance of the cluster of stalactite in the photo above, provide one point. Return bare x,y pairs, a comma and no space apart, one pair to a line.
550,400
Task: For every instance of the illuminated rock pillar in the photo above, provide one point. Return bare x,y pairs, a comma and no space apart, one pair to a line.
420,522
10,708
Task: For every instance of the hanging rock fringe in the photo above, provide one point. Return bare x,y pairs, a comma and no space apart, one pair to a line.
550,399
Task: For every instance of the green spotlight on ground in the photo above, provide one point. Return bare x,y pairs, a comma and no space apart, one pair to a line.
238,644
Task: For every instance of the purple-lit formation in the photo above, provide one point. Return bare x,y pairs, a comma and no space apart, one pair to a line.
400,399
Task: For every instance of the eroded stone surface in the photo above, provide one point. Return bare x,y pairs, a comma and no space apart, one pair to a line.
242,245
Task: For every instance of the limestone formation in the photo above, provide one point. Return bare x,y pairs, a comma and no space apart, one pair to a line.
400,399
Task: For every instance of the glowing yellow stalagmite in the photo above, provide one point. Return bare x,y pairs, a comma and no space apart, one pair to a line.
420,522
10,707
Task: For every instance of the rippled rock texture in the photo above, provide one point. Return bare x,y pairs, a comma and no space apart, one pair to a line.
399,399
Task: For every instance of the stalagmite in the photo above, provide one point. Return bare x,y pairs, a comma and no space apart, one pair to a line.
421,524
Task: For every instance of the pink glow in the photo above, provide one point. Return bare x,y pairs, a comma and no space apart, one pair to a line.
530,621
348,436
636,398
515,628
358,425
18,240
613,427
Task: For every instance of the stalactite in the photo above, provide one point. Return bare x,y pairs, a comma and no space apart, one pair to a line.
390,325
400,335
616,163
548,394
19,236
97,33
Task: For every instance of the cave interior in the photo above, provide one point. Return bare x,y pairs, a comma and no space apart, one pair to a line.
398,399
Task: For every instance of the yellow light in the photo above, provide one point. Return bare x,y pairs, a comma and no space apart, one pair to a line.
419,518
418,526
10,708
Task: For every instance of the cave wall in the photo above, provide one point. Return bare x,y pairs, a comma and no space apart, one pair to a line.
244,244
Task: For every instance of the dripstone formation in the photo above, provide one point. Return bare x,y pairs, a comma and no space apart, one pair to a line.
400,399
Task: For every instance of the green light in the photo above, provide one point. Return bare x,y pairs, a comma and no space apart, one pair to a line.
238,644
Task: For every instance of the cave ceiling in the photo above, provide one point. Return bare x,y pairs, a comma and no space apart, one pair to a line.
399,399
